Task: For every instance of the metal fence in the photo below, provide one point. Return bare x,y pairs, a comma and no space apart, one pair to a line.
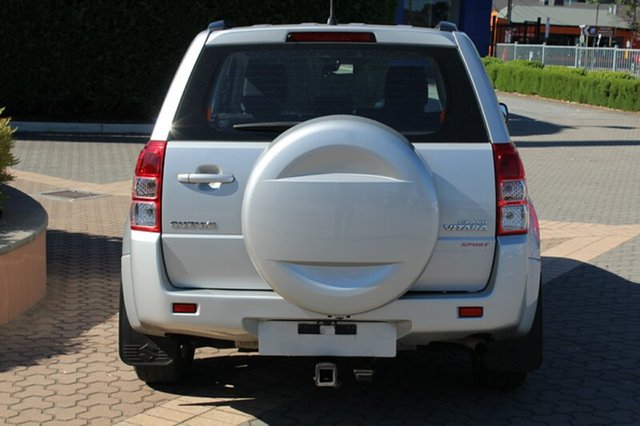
592,58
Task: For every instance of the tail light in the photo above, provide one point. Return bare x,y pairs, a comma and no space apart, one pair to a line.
147,188
511,191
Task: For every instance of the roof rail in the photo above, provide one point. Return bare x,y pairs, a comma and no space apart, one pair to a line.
446,26
216,26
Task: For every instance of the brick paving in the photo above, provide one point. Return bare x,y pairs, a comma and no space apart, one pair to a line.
59,363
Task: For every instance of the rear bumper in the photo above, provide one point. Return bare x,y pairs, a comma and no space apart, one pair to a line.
509,302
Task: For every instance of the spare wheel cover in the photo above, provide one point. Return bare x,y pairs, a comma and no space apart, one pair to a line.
340,215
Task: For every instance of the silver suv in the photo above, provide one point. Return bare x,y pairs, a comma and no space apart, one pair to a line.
331,191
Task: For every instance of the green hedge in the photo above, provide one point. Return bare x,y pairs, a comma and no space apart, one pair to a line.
6,157
114,59
603,88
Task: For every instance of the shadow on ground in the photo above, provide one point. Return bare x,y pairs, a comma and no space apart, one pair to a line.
570,143
591,373
83,275
520,125
79,137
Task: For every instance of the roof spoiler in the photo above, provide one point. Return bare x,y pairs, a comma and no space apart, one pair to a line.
446,26
217,26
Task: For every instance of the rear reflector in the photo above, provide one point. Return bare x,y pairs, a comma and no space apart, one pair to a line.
535,225
470,312
185,308
333,37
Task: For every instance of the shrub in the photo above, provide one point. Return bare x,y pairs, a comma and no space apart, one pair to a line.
490,60
567,70
625,94
602,88
525,63
6,158
612,75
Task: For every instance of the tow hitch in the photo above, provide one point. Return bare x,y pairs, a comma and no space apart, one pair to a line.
326,375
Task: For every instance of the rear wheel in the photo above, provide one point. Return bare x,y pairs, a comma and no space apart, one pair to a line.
498,380
504,365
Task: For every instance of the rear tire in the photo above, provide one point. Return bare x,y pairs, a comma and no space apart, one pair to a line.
496,380
504,365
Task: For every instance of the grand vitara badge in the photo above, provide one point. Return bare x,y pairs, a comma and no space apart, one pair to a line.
467,225
187,224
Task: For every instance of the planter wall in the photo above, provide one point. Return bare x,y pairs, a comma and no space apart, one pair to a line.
23,259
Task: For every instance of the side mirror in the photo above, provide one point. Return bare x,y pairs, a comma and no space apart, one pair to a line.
505,112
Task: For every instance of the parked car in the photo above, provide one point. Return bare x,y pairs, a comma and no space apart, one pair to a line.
331,190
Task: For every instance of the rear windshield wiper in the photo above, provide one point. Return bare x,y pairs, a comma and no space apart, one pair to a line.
267,126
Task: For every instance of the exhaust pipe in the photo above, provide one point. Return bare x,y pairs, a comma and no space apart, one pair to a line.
326,375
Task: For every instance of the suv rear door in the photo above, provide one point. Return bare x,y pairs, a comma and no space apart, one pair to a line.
240,97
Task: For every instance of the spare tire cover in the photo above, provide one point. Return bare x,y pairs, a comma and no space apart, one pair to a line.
340,215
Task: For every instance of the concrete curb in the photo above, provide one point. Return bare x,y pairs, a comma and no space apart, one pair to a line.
87,128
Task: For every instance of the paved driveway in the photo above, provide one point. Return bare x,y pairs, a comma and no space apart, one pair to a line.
59,364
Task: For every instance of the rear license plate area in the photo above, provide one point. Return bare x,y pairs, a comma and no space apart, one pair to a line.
327,338
328,328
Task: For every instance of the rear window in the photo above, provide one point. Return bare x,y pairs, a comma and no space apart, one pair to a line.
253,93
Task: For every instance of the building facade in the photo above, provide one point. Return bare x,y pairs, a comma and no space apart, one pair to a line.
566,24
471,16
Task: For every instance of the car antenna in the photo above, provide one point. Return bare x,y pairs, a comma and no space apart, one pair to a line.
332,19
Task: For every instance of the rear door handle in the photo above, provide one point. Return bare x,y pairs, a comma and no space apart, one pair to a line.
205,178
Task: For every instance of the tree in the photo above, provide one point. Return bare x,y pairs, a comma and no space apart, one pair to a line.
632,14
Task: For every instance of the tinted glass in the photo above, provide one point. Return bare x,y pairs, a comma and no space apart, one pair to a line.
255,93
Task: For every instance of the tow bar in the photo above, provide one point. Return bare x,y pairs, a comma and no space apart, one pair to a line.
327,375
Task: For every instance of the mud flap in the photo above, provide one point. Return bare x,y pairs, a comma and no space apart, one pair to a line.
523,354
139,349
